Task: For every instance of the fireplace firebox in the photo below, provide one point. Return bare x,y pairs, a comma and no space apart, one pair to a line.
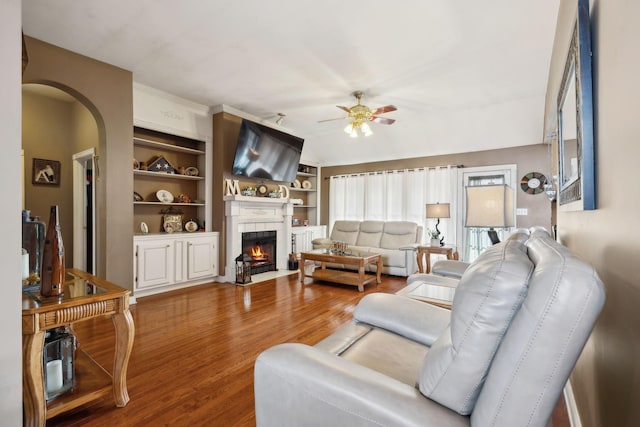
261,247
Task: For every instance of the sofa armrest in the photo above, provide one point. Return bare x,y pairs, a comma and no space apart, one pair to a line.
299,385
416,320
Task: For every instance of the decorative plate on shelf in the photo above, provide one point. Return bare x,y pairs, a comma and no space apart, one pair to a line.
192,171
296,184
164,196
533,183
191,225
262,190
306,184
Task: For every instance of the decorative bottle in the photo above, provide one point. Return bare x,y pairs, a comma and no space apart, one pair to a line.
53,258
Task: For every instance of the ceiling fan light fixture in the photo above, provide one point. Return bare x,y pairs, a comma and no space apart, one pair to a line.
349,128
366,130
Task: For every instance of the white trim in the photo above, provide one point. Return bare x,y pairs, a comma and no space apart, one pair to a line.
572,408
79,214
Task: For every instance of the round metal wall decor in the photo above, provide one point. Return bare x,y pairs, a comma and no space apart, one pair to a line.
533,183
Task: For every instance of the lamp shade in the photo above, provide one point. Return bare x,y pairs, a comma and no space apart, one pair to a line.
489,206
438,210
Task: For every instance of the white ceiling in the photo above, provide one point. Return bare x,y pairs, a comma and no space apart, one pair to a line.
465,75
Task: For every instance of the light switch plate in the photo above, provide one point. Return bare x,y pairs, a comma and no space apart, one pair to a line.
522,211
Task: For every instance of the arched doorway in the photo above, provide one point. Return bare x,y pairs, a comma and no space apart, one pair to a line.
59,127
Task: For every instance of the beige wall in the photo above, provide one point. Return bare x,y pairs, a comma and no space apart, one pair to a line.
107,91
606,380
532,158
10,303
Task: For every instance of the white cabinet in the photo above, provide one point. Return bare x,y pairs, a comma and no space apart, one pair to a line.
201,258
155,262
302,237
170,261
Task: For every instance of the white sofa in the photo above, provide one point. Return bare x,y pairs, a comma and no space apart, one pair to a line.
394,240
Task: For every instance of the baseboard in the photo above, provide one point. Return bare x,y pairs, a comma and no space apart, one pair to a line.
572,409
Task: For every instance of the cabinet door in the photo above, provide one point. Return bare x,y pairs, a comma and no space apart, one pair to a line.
200,258
155,263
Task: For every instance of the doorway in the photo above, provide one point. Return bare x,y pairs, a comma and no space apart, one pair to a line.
58,126
84,220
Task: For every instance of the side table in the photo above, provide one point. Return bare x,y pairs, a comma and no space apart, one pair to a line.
426,251
85,297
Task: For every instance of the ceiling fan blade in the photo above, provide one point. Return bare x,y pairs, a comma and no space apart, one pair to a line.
348,110
382,120
385,109
330,120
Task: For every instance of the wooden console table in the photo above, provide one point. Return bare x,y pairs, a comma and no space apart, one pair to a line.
85,297
426,251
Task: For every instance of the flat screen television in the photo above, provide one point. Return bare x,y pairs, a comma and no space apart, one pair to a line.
266,153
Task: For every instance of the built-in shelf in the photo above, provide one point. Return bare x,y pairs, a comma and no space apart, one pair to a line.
303,189
163,146
161,175
168,204
306,174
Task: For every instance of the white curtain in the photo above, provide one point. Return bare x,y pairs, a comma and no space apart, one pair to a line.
399,195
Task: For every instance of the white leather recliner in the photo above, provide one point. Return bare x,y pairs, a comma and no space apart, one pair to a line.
521,314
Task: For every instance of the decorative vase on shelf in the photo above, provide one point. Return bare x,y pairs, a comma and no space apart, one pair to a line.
53,258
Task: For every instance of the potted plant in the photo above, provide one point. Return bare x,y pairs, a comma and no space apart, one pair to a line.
248,191
434,235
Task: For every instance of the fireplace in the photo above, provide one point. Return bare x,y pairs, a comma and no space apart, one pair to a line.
261,247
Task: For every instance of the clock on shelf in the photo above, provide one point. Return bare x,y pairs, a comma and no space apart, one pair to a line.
533,183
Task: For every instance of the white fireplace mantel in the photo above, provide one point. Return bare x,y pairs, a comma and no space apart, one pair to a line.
244,214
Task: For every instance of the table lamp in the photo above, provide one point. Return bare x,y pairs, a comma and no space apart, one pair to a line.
490,206
438,210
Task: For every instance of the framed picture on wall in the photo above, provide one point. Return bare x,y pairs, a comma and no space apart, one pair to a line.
46,172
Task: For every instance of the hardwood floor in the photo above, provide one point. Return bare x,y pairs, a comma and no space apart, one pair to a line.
194,350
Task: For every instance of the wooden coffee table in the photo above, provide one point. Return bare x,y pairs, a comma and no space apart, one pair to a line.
357,278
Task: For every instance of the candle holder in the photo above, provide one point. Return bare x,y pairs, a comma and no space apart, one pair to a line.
58,362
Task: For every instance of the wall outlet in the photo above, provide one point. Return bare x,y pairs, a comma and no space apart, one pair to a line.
522,211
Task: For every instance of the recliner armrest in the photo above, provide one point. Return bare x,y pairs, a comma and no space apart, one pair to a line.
416,320
299,385
450,268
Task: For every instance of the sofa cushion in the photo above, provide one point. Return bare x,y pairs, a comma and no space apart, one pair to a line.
345,231
398,234
370,233
391,257
490,292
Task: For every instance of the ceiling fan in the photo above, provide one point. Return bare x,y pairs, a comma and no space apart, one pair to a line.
360,115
